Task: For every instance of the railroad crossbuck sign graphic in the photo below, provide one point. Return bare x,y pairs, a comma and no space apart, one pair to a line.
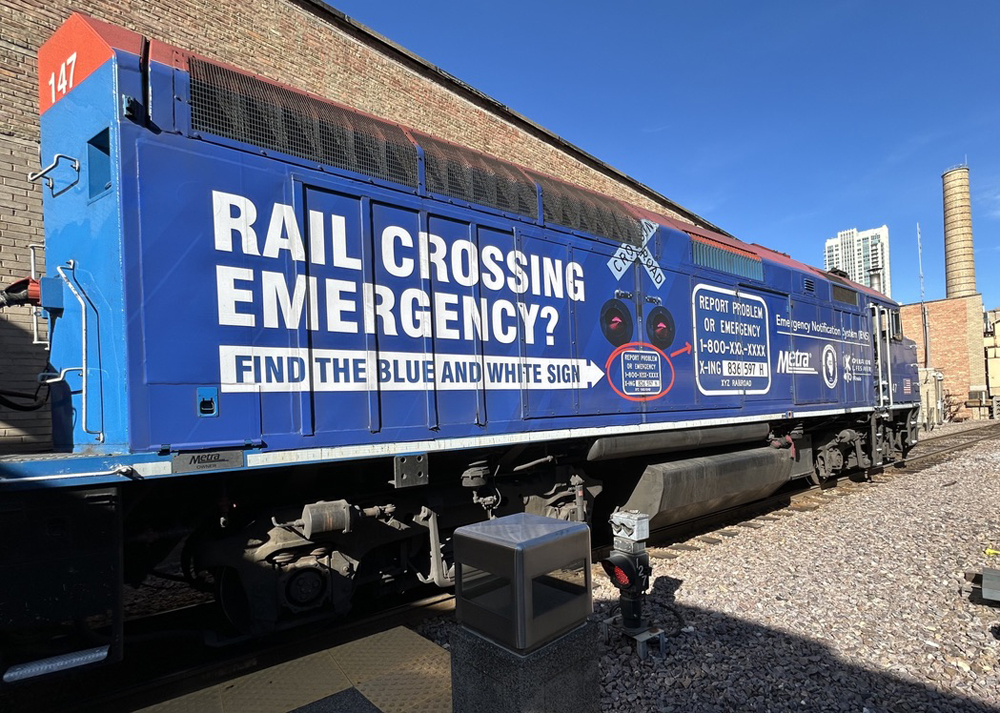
627,254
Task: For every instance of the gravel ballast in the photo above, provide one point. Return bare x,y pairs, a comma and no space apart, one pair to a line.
855,606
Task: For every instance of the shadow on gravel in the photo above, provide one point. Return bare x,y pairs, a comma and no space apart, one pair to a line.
720,663
976,597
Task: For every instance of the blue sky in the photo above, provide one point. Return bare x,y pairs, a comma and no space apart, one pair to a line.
781,122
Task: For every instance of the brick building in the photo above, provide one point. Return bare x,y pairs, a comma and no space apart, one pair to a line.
955,330
303,43
991,343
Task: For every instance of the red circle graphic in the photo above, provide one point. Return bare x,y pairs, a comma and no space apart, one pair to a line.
617,352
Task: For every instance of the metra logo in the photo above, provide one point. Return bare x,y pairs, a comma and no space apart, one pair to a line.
196,462
792,362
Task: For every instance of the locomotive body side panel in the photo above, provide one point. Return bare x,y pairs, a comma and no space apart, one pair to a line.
245,298
328,313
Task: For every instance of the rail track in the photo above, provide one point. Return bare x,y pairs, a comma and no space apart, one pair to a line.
800,496
169,653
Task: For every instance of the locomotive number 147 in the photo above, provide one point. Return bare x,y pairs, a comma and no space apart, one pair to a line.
65,81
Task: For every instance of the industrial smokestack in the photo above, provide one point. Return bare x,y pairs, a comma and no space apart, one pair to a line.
959,259
875,279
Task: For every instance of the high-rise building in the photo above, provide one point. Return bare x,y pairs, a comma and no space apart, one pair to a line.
863,255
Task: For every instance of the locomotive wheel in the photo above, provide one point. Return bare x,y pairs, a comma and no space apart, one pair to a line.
816,476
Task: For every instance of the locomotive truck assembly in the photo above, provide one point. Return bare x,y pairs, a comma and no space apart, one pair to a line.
294,346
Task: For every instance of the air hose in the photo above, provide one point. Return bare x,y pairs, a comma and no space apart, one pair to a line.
13,405
23,292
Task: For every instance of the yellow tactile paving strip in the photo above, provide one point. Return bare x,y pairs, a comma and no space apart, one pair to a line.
401,688
397,670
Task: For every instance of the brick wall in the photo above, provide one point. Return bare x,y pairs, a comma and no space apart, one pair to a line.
20,226
955,328
293,41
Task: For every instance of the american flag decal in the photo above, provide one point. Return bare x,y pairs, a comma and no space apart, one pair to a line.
907,386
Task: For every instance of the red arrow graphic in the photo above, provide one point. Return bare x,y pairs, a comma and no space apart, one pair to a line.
685,350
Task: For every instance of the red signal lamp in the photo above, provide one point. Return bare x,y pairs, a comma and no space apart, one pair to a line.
626,571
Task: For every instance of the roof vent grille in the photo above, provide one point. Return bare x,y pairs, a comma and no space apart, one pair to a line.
579,209
844,295
477,178
240,107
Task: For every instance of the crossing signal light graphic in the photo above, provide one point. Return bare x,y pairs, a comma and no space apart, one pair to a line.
660,328
616,322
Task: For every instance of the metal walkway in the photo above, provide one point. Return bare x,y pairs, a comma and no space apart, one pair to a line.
396,671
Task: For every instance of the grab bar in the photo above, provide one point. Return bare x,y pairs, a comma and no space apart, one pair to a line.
61,376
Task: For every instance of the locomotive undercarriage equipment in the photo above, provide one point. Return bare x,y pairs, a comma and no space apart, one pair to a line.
566,493
542,486
480,478
269,574
441,573
838,453
670,441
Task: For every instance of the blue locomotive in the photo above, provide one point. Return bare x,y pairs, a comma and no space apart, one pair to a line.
293,346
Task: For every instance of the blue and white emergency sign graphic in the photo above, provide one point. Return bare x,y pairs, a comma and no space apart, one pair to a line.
732,346
275,369
639,371
642,373
482,294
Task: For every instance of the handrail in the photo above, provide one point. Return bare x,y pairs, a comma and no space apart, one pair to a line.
883,356
123,471
32,177
71,265
877,332
888,352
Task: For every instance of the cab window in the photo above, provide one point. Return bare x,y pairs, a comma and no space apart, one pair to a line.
895,325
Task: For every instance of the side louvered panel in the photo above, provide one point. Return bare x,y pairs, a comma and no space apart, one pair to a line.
726,258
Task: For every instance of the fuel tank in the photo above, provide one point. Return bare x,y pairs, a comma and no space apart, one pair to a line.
674,491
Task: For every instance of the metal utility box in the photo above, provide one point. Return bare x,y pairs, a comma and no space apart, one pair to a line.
523,580
991,584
